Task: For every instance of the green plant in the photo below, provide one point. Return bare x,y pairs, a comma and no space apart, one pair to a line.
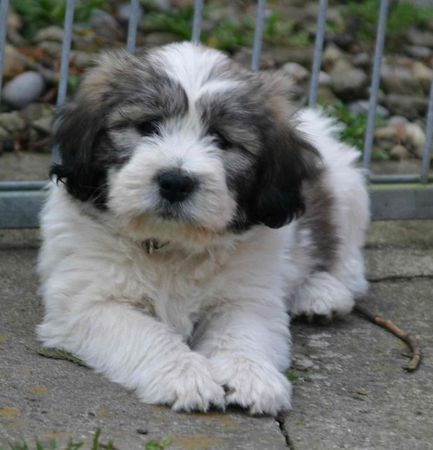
158,445
354,127
402,15
38,14
177,22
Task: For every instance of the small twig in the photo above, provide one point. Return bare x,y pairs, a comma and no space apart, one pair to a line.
411,341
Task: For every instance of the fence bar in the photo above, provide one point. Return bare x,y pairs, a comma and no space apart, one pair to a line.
258,34
4,6
425,165
66,50
377,65
318,49
134,15
196,24
22,185
64,64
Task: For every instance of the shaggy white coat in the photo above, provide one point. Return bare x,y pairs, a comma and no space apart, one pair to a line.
133,316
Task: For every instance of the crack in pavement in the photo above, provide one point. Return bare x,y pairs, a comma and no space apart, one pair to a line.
280,421
400,278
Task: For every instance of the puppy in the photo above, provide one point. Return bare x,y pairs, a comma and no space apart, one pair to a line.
193,210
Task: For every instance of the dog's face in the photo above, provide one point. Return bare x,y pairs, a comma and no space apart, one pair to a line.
182,138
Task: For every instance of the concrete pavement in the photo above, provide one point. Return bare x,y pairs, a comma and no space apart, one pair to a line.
350,389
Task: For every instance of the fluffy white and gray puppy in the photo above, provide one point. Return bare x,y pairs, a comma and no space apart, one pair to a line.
194,210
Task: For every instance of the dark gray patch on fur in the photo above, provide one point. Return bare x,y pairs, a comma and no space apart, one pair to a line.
86,147
319,220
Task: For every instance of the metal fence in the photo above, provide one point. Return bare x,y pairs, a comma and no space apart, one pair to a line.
393,196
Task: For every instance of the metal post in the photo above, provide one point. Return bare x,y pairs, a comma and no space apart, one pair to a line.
318,49
134,15
197,21
378,53
425,165
64,64
258,34
4,6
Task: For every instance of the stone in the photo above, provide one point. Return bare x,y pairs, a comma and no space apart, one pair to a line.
420,38
83,60
157,38
281,55
23,89
43,125
418,52
326,96
396,121
399,152
11,121
52,48
410,106
296,72
348,81
362,107
399,80
14,62
324,79
423,75
415,137
363,60
51,33
331,55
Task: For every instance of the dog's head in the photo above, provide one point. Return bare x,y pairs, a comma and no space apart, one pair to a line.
183,137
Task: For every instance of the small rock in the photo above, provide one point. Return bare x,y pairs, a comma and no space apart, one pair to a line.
420,38
409,106
362,60
82,60
23,89
296,72
326,96
157,38
43,125
396,121
362,107
418,52
385,133
324,79
281,54
423,75
331,55
14,62
304,363
399,153
52,33
415,137
52,48
398,80
348,81
10,124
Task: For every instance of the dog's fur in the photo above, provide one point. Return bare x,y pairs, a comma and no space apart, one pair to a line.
275,223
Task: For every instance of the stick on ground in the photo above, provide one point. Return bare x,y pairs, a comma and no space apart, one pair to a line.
411,341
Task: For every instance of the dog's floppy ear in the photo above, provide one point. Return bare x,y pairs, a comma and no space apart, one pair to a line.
287,160
76,135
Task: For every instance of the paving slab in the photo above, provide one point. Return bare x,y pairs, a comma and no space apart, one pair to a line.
350,389
46,398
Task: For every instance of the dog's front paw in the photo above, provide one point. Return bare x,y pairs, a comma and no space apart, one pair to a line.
260,387
186,384
322,295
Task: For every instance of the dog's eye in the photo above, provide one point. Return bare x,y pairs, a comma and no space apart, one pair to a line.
220,140
148,127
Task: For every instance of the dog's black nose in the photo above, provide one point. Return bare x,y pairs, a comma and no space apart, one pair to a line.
176,185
